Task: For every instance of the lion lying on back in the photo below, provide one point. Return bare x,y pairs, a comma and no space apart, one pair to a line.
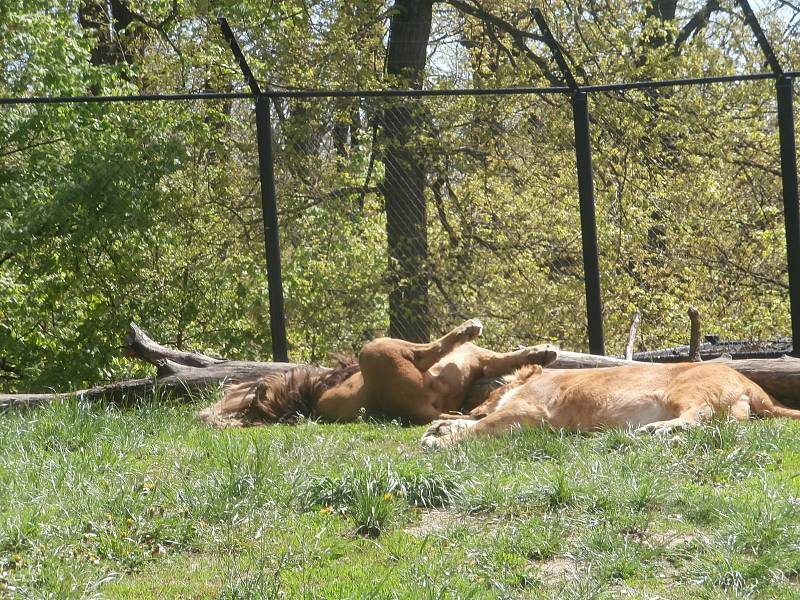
392,378
655,398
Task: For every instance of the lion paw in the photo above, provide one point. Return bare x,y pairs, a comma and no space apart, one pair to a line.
543,354
469,330
433,436
431,442
662,428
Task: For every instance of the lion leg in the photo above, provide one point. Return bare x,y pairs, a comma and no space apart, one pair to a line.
495,364
688,418
427,355
495,424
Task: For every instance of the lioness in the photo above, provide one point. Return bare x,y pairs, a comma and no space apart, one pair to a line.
393,378
655,398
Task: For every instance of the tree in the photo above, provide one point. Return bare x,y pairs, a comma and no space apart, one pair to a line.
149,211
404,181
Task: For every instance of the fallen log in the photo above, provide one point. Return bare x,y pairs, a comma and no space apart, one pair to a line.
183,373
179,373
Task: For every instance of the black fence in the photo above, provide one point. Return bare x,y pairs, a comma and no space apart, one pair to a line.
389,212
403,123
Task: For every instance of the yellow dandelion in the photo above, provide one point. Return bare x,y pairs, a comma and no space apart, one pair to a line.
17,558
387,496
326,511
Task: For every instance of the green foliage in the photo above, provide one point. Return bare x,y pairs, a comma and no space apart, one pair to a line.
151,211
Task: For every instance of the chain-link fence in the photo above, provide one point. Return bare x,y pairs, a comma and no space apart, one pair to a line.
397,214
690,209
403,216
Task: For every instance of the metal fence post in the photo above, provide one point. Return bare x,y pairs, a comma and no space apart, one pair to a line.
591,263
791,208
791,211
583,155
269,208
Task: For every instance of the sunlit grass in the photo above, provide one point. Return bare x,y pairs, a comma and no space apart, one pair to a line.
143,502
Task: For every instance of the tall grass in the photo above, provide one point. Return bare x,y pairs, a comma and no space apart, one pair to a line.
97,501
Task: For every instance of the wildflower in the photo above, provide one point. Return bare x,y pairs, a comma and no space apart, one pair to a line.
326,511
387,496
203,522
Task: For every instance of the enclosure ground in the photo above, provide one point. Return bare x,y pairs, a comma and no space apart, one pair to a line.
144,502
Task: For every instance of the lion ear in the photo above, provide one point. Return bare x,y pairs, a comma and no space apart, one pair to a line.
343,360
522,374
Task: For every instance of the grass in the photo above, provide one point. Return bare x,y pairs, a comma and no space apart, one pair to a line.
144,503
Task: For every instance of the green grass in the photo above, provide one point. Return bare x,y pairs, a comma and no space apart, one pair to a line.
145,503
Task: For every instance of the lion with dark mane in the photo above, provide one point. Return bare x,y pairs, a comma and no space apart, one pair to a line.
393,378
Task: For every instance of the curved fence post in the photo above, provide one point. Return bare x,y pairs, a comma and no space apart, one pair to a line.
269,207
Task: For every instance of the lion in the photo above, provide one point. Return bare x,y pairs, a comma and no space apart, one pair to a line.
392,378
655,398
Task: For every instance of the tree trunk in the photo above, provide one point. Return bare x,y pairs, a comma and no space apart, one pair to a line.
107,19
404,182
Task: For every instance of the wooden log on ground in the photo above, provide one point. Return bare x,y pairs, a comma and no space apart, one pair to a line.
186,372
578,360
139,345
184,383
180,373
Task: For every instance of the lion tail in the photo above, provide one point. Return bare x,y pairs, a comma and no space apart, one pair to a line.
762,403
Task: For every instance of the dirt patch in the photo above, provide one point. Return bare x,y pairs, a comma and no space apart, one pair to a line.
432,522
556,569
673,539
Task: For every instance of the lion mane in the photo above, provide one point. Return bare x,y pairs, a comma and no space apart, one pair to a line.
278,397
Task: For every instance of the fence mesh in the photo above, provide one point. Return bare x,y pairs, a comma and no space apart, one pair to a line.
690,212
405,216
398,216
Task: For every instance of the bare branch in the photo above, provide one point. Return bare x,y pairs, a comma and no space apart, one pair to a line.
519,37
32,146
635,320
698,21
